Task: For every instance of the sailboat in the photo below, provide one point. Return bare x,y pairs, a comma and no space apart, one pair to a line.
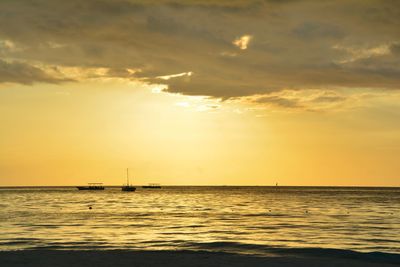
127,187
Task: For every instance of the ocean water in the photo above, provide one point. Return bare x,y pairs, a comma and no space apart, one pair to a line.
232,219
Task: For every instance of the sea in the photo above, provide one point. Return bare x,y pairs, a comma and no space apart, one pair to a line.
253,220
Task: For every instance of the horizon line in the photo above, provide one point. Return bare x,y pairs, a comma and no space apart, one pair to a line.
222,185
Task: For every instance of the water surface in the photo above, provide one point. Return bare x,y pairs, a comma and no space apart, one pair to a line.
245,219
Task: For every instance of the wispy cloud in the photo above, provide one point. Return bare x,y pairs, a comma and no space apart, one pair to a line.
303,100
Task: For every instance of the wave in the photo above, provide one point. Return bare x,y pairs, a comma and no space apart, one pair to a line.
236,248
243,248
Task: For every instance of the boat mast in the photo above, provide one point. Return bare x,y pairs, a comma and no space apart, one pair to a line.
127,176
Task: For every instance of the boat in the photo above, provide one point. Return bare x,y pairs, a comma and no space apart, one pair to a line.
152,186
92,186
127,187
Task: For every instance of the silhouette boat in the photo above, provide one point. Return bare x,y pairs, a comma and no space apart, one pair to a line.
128,187
152,186
92,186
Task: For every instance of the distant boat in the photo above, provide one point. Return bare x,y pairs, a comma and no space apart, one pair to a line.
92,186
127,187
152,186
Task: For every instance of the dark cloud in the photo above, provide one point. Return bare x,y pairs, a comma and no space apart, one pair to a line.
312,30
395,49
16,72
330,99
279,101
294,44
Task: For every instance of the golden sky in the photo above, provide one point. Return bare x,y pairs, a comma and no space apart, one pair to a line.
200,92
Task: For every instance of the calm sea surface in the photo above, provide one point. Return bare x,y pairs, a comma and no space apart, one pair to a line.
209,218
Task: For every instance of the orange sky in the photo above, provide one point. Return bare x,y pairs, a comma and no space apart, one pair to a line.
90,132
200,92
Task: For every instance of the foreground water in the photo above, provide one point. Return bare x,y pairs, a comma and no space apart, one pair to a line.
238,219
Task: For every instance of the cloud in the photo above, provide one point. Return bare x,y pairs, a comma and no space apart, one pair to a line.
6,45
357,53
243,41
329,99
296,45
18,72
311,30
308,99
395,49
167,77
279,101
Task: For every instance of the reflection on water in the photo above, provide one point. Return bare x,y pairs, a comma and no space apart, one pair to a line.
201,218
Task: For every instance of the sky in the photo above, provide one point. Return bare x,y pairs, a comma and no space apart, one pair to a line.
200,92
